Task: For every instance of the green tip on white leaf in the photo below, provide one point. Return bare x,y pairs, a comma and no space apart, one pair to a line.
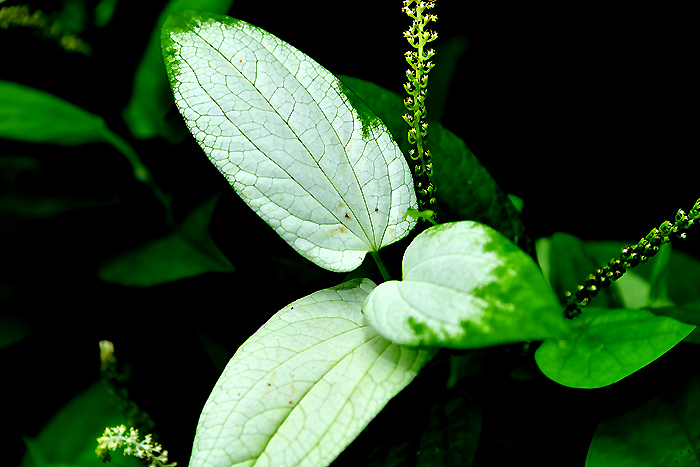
465,286
294,143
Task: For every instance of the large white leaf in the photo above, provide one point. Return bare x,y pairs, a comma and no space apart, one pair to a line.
298,146
304,385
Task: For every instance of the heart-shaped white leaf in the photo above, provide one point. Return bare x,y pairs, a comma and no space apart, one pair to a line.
296,144
464,286
304,385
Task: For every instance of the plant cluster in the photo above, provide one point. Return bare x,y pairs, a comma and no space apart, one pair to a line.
362,369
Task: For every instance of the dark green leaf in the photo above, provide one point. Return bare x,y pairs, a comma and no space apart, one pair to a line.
566,264
465,190
665,431
69,438
188,251
452,433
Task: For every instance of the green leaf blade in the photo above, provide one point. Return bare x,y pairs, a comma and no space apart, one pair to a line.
32,115
291,139
186,252
663,431
304,385
465,286
608,345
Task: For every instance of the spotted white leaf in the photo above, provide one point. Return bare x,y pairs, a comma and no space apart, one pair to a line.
304,385
299,147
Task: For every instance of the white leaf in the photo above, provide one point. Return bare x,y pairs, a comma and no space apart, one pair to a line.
304,385
296,144
465,286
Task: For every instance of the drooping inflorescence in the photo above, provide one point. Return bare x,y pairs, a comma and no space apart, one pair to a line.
114,438
632,255
416,87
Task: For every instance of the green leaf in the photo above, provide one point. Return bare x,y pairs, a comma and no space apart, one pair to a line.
465,189
464,286
304,385
452,433
665,431
566,263
69,438
151,99
607,345
299,147
33,207
660,275
186,252
32,115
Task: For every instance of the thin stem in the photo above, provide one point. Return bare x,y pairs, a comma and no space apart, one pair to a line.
141,172
380,265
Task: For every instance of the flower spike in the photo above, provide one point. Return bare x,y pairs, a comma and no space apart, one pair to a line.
416,87
116,437
632,255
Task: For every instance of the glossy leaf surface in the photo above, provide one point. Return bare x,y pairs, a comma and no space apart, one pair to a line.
607,345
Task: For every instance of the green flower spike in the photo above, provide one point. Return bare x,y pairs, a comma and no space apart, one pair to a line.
116,437
416,87
632,255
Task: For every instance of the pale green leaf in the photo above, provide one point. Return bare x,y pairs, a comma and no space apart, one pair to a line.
665,431
298,146
464,286
607,345
304,385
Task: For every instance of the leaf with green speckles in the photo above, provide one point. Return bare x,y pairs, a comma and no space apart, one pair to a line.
304,385
607,345
465,286
294,142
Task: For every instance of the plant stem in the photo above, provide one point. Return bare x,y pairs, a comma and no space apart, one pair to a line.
380,265
141,172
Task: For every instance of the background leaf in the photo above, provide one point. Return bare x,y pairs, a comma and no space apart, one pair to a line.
300,149
28,114
665,431
566,263
69,438
304,385
607,345
464,286
187,251
465,190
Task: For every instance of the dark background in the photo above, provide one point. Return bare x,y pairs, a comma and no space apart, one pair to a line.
584,112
